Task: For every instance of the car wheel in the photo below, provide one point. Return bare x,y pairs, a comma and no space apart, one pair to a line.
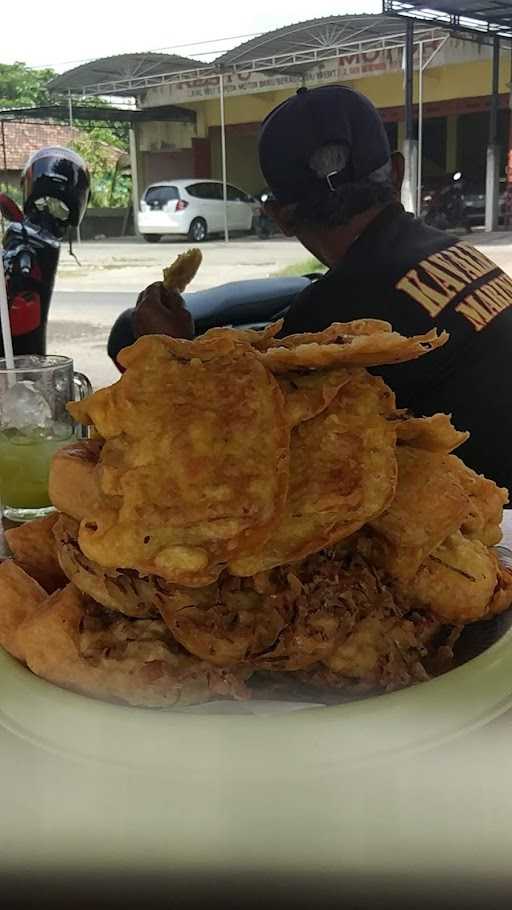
198,231
152,238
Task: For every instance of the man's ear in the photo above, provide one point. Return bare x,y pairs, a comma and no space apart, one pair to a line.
282,216
397,171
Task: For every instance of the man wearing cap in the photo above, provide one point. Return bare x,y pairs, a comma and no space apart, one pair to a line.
336,187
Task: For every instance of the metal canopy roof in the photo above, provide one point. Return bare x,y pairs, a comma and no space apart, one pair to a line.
319,36
296,48
120,68
488,17
166,112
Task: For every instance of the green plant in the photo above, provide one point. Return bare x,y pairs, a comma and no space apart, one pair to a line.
301,268
107,187
21,86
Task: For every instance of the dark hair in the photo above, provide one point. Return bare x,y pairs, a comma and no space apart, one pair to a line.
333,208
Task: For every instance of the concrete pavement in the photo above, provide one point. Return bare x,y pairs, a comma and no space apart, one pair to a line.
130,265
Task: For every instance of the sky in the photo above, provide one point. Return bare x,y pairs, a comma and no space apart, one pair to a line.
75,33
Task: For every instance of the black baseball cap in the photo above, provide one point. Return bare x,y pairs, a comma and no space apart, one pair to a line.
330,114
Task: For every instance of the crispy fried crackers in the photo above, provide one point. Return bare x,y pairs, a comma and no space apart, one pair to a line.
210,460
253,505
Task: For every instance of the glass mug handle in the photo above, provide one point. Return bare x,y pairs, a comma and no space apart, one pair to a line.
83,388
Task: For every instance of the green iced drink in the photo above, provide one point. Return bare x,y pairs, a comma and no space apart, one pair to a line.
24,468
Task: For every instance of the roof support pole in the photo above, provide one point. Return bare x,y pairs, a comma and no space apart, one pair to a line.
420,132
223,156
410,149
134,166
493,149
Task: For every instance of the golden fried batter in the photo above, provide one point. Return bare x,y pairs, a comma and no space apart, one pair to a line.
178,275
430,503
351,350
254,507
308,394
483,521
20,598
260,339
226,624
194,470
342,473
124,590
73,644
436,433
333,333
458,582
383,652
33,547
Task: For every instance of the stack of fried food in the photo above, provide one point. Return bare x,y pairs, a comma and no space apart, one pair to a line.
253,515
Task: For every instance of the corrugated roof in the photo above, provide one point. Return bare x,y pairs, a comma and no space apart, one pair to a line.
312,34
121,66
491,17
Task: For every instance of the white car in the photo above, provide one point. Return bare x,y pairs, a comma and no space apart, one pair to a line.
194,208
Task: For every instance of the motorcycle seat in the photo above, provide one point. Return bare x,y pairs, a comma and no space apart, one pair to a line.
252,303
257,300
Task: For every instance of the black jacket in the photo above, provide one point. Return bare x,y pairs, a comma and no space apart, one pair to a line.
419,278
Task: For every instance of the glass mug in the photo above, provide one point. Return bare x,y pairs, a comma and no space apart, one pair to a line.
34,424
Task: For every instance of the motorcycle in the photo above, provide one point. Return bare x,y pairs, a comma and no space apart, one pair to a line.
446,208
264,224
250,304
55,183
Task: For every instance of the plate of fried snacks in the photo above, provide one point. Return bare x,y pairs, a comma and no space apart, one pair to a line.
253,528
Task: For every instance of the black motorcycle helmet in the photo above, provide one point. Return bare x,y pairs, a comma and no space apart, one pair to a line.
58,174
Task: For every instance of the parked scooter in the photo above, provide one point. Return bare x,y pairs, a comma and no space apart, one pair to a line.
55,183
446,208
240,304
264,224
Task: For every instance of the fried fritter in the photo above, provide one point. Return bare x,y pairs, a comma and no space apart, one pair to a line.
363,350
323,599
181,272
436,433
457,583
260,339
33,547
20,597
117,589
227,624
483,521
333,333
342,473
308,394
382,651
430,503
194,469
75,467
72,643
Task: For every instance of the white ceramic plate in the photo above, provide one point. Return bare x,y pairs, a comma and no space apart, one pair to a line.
170,743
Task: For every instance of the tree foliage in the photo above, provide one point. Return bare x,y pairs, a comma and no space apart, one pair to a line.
21,86
108,186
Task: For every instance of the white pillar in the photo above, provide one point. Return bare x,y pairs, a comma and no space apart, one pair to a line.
134,165
410,184
223,154
419,179
492,188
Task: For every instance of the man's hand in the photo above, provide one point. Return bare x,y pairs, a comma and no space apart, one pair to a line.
160,311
